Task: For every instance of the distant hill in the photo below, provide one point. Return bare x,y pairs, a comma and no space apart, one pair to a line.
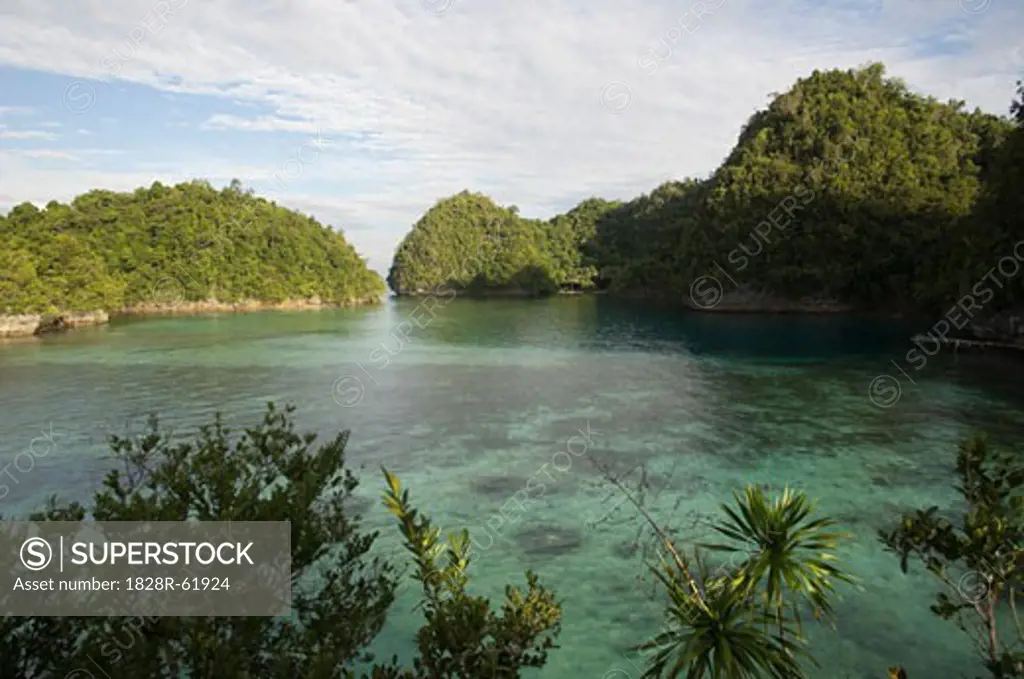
849,187
469,242
168,245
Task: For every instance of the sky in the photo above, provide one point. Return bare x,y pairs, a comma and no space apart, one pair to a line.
363,113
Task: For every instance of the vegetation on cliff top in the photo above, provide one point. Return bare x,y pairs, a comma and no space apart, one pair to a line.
169,244
848,186
474,244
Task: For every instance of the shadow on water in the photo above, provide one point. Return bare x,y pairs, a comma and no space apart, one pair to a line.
752,335
600,322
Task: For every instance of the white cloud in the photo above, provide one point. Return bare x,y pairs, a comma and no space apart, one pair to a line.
14,110
263,124
26,134
500,97
48,153
84,154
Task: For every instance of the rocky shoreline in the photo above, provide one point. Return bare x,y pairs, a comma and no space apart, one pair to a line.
735,302
1005,328
713,299
474,293
746,301
1002,330
29,325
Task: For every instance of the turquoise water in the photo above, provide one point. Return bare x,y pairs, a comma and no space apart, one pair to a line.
491,394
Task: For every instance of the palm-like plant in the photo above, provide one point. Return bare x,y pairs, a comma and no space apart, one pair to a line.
716,632
715,626
788,550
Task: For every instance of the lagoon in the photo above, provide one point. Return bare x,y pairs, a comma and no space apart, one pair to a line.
493,397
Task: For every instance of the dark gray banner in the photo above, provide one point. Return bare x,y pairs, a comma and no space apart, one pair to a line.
159,568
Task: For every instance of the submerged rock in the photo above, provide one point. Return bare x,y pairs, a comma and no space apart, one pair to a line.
626,549
501,487
548,539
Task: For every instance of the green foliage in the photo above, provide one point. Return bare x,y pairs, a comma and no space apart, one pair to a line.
570,242
788,551
463,637
848,186
637,245
163,244
268,473
998,222
340,593
981,561
20,287
718,633
736,623
739,622
470,243
45,647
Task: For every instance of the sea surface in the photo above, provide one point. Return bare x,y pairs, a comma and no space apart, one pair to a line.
469,404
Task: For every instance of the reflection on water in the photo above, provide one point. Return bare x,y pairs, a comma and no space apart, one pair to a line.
481,404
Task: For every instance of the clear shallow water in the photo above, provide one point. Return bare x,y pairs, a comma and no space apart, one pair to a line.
490,394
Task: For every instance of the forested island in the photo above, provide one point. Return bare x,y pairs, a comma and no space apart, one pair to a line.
184,248
481,247
848,191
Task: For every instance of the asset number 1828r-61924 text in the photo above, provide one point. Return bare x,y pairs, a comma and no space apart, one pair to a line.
140,584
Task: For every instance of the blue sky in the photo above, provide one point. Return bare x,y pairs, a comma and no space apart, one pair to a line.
365,112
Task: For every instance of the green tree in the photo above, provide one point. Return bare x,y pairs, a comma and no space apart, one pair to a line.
981,560
77,277
731,623
462,636
340,592
715,631
43,647
108,250
220,476
468,242
848,187
637,245
997,224
789,551
20,287
458,241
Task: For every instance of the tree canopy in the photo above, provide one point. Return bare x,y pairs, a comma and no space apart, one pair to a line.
470,242
108,250
849,186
